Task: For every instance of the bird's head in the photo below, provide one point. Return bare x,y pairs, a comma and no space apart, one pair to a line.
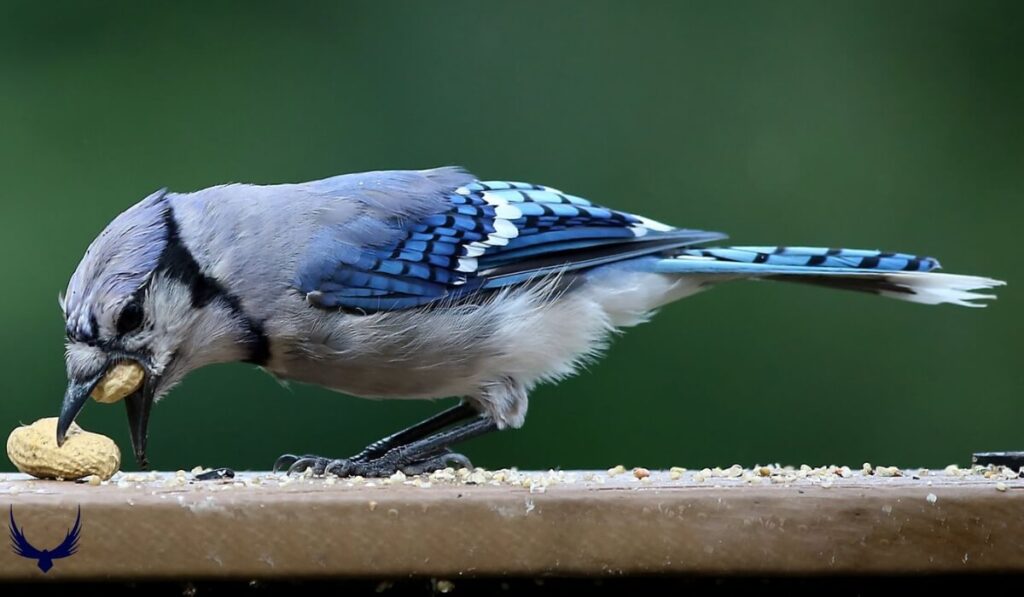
139,296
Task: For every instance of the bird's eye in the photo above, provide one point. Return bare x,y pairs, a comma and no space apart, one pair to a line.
130,318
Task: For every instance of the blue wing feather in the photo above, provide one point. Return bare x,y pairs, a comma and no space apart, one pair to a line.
485,235
560,241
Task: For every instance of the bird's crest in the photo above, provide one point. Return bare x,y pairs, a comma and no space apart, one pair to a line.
45,557
116,264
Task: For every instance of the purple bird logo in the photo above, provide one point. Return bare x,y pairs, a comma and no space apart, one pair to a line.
23,548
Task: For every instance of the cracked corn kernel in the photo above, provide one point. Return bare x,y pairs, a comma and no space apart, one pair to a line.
889,471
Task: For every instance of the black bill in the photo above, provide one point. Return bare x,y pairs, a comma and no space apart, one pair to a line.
138,404
74,399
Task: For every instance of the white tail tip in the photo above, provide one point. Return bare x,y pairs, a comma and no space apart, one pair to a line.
930,288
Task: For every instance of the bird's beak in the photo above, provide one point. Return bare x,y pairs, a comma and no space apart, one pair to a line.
74,399
138,404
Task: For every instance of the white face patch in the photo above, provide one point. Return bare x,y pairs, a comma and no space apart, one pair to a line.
183,337
174,338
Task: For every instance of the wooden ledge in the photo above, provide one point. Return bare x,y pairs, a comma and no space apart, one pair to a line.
261,526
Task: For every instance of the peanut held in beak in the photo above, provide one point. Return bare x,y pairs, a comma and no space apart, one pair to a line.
119,383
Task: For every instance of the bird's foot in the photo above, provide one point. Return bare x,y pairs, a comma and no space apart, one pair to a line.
397,452
397,459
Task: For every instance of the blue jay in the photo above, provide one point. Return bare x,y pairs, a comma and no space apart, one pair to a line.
408,284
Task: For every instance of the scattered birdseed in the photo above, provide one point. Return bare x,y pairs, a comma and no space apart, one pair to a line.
444,586
540,481
866,468
447,474
372,505
932,498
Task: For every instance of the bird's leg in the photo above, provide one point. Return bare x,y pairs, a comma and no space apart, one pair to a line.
418,431
380,447
424,455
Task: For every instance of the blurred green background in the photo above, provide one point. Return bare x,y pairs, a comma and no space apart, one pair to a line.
872,124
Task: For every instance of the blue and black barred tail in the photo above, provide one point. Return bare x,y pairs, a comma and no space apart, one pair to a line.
896,275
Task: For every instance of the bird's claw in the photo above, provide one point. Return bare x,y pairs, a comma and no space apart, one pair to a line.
299,464
391,462
438,462
285,460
